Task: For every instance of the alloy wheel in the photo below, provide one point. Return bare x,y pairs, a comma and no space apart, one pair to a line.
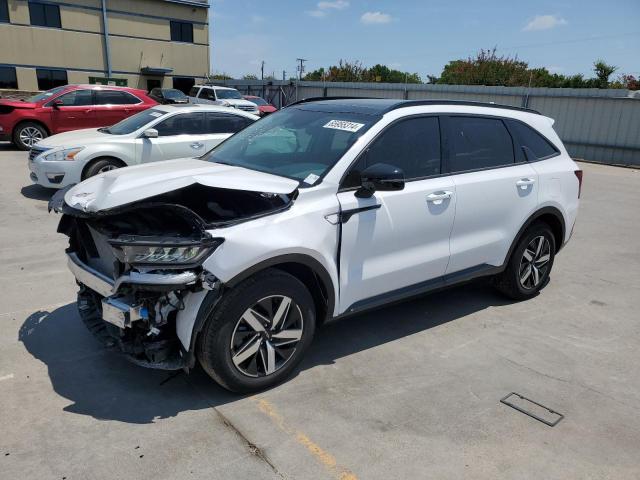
29,136
107,168
534,263
266,335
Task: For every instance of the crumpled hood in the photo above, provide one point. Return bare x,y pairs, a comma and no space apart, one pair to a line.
75,138
126,185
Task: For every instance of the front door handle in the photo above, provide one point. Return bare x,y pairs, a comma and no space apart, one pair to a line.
197,145
523,183
438,197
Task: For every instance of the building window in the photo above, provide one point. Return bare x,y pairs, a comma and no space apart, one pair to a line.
44,15
183,84
182,32
4,12
48,79
8,77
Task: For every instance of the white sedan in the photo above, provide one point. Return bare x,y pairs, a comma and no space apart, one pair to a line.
159,133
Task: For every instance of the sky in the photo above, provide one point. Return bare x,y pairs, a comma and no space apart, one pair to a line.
422,36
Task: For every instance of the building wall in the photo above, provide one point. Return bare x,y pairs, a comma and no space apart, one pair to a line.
139,36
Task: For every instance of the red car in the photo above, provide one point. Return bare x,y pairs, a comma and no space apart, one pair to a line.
265,107
70,107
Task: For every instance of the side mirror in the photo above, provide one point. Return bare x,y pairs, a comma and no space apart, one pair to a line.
380,176
57,103
150,133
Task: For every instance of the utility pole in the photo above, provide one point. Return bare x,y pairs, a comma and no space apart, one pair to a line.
301,67
262,70
284,75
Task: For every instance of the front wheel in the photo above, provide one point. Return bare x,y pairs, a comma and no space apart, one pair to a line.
27,134
530,264
258,333
100,166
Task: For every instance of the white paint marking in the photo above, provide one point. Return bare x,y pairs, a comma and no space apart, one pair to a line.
6,377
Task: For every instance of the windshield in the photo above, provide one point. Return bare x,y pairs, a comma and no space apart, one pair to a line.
296,143
228,94
174,94
258,101
134,122
45,95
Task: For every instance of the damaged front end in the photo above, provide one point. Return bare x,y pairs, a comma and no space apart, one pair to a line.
138,264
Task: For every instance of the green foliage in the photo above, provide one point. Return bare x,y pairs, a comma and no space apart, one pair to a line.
250,76
355,72
221,76
488,68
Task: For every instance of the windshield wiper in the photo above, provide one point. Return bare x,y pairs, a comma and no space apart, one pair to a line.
104,130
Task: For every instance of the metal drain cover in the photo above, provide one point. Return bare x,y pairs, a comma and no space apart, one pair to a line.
533,409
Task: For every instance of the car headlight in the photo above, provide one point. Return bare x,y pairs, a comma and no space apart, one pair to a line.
60,155
225,104
165,252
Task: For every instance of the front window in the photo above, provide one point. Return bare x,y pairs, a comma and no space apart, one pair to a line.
45,95
134,122
296,142
228,94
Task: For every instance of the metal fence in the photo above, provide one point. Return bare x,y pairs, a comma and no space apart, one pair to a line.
596,125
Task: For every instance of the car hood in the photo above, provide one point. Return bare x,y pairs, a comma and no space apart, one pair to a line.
16,103
75,138
127,185
236,101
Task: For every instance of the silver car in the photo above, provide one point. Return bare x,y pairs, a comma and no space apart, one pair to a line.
159,133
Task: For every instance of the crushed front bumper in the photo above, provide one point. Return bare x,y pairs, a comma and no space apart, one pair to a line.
133,313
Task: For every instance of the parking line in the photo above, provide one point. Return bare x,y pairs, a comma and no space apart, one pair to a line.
6,377
325,458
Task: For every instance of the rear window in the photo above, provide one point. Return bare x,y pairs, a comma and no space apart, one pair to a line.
115,97
478,142
527,137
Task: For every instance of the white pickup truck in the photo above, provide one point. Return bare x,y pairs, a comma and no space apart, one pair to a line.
225,96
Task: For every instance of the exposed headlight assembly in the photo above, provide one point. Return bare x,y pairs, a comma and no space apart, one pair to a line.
164,252
61,155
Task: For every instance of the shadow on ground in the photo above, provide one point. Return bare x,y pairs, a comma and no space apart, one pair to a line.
37,192
105,386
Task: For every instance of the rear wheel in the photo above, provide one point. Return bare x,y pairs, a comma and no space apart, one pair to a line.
100,166
530,264
258,333
27,134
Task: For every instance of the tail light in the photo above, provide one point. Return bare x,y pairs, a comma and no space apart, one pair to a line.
579,177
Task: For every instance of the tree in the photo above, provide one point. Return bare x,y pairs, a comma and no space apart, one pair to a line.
355,71
250,76
221,76
603,72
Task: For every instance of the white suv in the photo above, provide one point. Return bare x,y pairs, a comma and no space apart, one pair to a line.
324,209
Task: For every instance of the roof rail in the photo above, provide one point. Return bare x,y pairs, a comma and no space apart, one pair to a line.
416,103
319,99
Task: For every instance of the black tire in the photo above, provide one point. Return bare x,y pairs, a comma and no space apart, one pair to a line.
510,283
28,130
214,344
101,165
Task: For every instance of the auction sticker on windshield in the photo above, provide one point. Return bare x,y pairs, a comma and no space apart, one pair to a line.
344,125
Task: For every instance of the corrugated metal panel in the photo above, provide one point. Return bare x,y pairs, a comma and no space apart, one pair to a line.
597,125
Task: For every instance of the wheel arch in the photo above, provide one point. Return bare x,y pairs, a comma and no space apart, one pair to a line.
553,217
98,158
37,121
306,269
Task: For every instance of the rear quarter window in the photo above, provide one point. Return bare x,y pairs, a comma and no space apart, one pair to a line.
529,138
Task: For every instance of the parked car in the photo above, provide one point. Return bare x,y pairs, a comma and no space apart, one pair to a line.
168,95
159,133
66,108
265,107
324,209
225,96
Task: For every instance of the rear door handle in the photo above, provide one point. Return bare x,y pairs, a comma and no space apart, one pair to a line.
523,183
438,197
197,145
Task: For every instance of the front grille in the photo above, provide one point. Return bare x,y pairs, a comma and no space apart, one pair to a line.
35,151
